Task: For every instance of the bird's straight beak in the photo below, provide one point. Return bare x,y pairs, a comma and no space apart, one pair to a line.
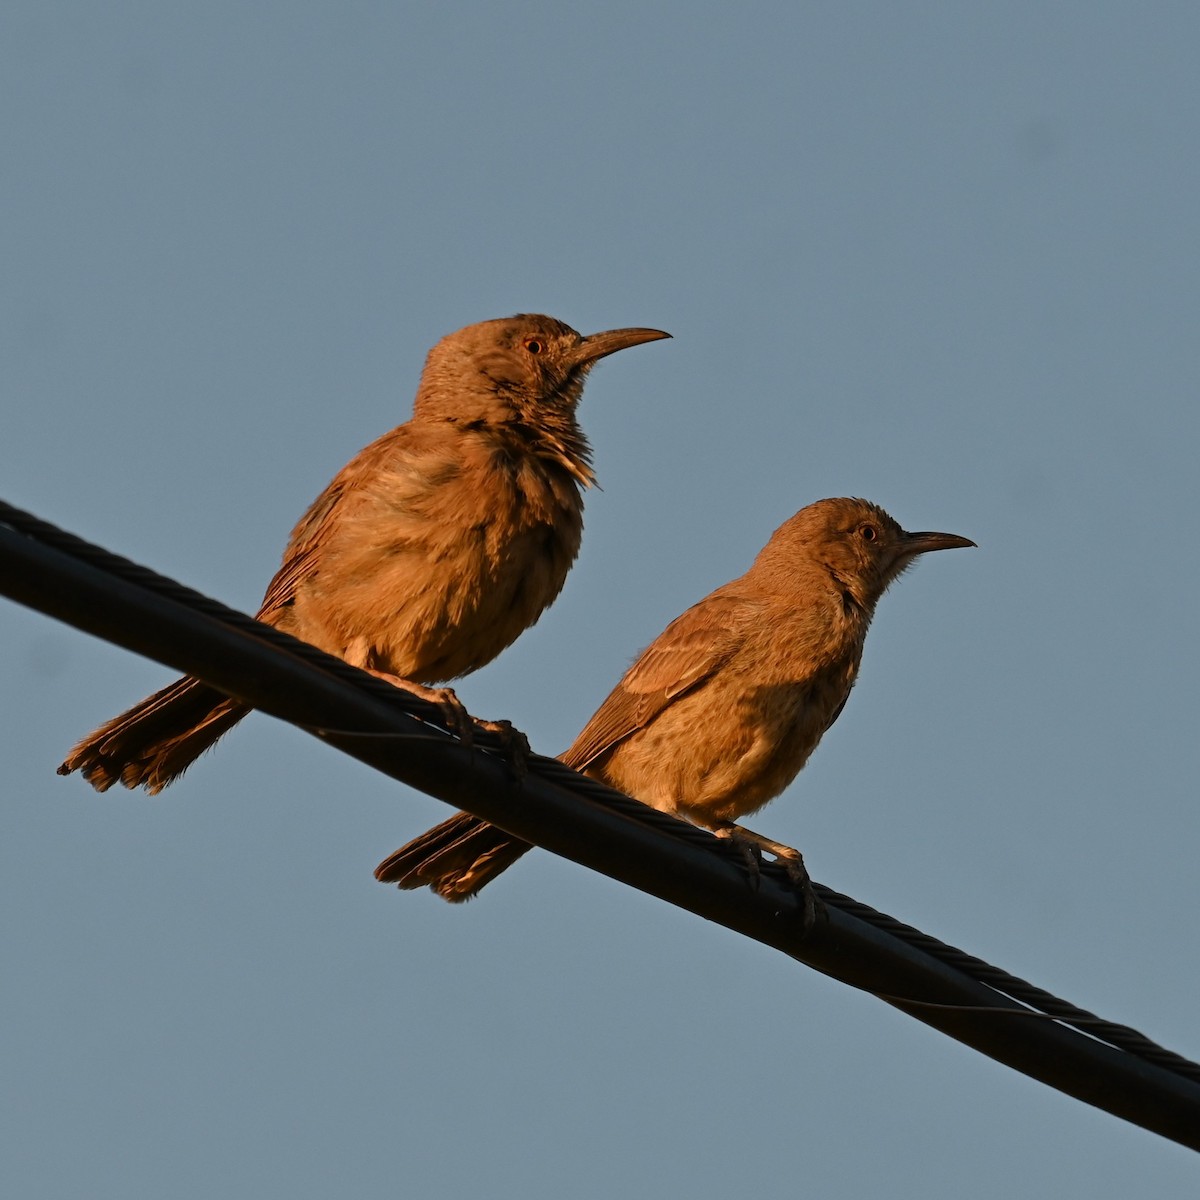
923,543
598,345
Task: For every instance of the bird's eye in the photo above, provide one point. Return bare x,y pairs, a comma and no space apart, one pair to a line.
534,345
868,533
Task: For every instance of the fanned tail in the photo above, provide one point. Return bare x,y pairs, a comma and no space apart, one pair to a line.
455,859
156,740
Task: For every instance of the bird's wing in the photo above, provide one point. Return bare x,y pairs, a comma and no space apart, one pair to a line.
690,650
837,712
301,559
303,548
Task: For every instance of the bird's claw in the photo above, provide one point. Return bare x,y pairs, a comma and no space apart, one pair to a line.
453,713
810,903
514,746
748,848
790,859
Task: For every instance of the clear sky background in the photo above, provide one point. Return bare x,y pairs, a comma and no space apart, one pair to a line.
943,256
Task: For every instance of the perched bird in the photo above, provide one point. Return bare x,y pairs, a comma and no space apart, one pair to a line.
430,551
720,712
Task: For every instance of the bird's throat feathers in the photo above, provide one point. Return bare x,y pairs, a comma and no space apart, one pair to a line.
547,426
567,447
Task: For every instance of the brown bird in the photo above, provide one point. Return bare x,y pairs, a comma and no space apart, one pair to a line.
430,551
720,712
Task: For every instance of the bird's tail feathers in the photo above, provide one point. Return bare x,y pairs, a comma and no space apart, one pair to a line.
156,740
455,859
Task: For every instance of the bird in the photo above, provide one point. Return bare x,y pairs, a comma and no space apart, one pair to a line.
430,551
721,711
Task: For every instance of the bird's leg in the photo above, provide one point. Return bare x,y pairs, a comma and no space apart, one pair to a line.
753,844
454,714
514,745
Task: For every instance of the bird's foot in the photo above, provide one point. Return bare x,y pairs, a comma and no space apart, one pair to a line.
514,746
752,846
454,715
750,850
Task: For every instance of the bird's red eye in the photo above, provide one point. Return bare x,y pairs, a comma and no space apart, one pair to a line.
868,533
534,346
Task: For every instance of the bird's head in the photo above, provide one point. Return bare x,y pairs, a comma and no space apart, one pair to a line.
858,544
524,372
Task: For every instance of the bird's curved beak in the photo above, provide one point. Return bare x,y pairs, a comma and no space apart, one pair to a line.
923,543
598,345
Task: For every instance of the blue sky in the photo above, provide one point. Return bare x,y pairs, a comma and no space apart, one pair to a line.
942,256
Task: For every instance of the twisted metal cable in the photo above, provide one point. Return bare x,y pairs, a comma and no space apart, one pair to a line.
1037,1001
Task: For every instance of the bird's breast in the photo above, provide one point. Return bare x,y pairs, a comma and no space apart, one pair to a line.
431,573
728,748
